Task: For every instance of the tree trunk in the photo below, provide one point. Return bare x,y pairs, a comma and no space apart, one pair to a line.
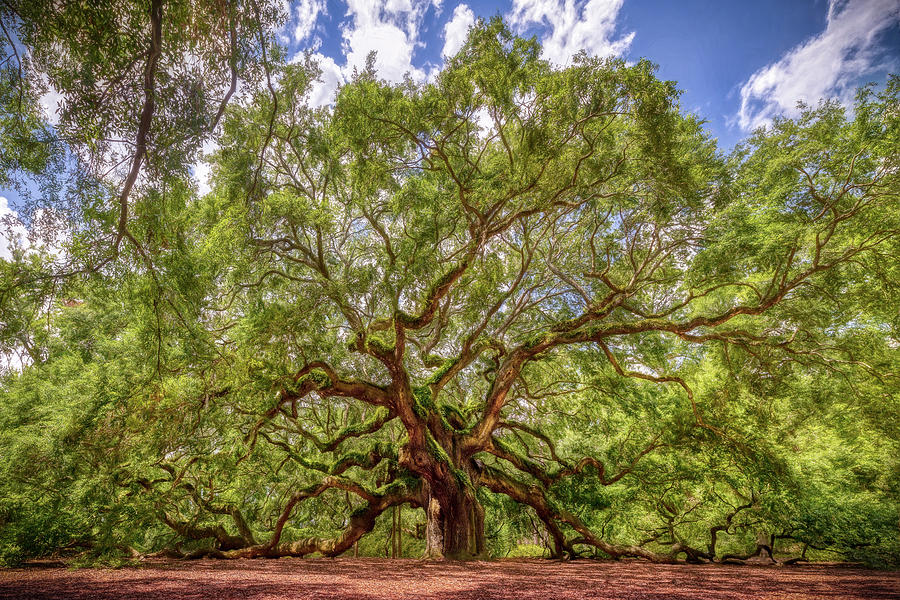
396,532
399,531
455,528
455,518
434,531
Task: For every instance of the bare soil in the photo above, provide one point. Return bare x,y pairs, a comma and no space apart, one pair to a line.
381,579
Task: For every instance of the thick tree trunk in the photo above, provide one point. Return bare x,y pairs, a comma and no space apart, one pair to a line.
455,528
455,518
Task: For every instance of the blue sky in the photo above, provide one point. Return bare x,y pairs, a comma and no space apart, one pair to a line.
738,62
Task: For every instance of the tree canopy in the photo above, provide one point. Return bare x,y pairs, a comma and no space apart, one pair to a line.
532,303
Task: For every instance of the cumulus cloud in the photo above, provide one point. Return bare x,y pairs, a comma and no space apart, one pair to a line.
307,14
827,65
456,29
323,89
572,26
390,28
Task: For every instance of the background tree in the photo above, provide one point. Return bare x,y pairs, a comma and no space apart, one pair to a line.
134,89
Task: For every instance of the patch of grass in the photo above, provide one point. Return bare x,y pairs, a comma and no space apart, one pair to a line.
527,551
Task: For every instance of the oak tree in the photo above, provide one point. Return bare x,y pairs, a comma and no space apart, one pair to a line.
517,285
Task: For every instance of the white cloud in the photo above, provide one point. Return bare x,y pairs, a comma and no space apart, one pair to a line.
202,168
322,90
49,232
307,13
393,51
51,103
484,120
827,65
201,175
573,25
456,29
390,28
12,232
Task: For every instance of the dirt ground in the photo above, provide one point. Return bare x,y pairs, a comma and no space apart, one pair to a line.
379,579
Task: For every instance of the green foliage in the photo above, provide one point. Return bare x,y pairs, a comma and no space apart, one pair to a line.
546,276
527,551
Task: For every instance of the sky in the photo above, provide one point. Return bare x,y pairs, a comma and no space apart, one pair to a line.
738,63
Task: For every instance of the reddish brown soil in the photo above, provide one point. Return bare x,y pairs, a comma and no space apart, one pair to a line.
378,579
